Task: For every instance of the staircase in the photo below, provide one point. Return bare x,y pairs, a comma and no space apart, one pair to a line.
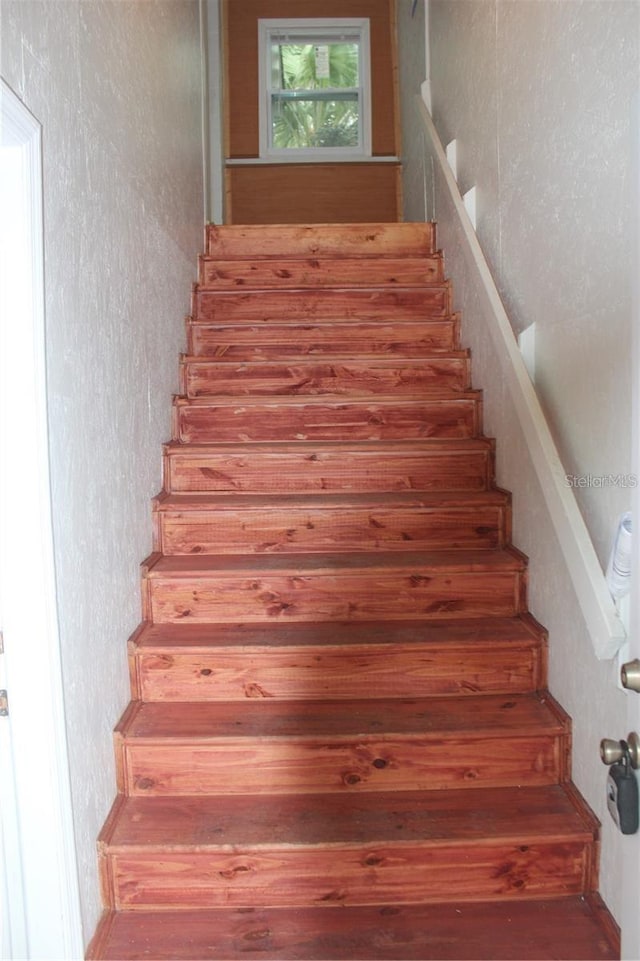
339,745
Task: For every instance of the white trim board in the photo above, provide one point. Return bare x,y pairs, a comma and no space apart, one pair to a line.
275,162
32,665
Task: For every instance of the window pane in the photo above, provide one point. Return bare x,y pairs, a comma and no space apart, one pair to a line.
310,66
314,103
315,122
314,88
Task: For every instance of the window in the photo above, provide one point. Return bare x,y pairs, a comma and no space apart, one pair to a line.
314,89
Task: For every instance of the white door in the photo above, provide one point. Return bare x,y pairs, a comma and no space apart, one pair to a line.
39,884
631,866
631,844
13,933
631,856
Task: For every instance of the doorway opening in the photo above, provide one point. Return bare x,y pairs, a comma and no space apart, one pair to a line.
41,909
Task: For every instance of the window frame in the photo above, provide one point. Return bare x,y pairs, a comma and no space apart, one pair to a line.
306,30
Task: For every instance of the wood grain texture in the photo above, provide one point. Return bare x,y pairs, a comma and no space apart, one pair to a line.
321,240
426,465
324,849
329,728
415,874
456,818
281,747
352,587
372,304
285,341
567,928
241,39
214,377
317,272
315,661
456,414
198,524
312,193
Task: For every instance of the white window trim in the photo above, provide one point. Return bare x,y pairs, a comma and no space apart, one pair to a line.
321,27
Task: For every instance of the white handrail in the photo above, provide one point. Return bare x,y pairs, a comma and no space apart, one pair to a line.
601,618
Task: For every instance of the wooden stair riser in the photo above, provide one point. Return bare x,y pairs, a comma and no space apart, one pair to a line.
207,378
339,697
391,763
341,596
347,306
291,529
576,927
321,848
280,341
392,873
366,671
468,466
457,416
216,273
321,240
292,747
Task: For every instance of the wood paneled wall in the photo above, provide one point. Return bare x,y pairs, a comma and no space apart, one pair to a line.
313,193
308,193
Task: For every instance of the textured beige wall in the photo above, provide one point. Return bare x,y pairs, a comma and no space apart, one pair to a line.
584,686
411,74
116,86
538,95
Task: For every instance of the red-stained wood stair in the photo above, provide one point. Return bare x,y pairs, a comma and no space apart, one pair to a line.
339,744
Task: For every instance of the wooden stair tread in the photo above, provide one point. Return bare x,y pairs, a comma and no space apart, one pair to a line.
486,715
178,662
279,746
304,586
498,631
316,449
326,727
285,523
288,323
444,395
484,816
327,359
567,928
430,500
409,562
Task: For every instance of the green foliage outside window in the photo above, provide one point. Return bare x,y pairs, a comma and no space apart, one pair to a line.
310,109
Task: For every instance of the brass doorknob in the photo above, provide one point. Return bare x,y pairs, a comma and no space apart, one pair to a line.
613,751
630,675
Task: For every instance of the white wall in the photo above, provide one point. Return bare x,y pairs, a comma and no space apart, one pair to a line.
116,85
215,119
584,686
411,73
538,95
